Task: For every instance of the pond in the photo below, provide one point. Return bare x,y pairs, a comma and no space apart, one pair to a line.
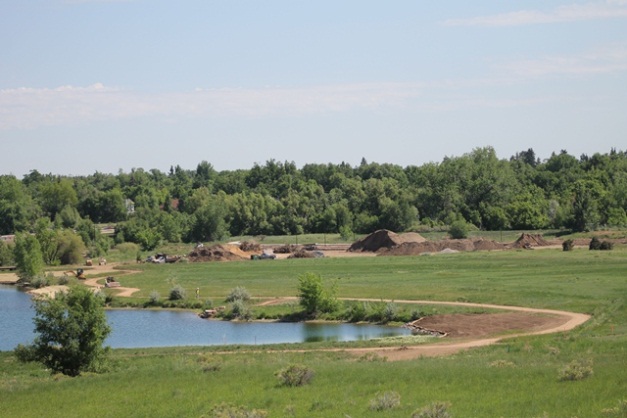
163,328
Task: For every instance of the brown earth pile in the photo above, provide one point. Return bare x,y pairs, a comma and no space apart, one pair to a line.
286,249
447,245
530,241
302,253
384,239
250,246
217,253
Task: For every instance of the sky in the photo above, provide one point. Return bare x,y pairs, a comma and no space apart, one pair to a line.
111,85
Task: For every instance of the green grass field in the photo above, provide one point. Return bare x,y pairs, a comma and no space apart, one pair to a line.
517,378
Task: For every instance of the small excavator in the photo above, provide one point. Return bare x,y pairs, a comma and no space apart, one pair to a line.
79,273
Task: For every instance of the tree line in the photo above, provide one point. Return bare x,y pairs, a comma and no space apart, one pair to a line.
278,198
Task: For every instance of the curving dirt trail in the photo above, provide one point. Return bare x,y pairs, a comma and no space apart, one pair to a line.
546,321
93,282
121,290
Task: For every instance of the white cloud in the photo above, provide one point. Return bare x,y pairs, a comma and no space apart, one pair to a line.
602,61
570,13
26,108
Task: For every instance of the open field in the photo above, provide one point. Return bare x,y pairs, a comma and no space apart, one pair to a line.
518,377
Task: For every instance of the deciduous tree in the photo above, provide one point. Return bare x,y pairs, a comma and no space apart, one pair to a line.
71,328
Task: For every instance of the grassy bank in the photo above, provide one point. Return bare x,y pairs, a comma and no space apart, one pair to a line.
520,377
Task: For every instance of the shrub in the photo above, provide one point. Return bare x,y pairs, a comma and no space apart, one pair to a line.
240,310
356,312
372,357
238,293
390,311
568,245
25,353
434,410
595,244
346,233
177,293
6,254
153,298
416,314
231,411
576,370
384,401
314,297
128,250
619,411
295,375
458,230
40,281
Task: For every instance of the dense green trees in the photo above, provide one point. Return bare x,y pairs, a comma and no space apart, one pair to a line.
28,256
477,188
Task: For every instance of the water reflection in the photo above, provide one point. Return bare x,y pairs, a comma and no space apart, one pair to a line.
147,328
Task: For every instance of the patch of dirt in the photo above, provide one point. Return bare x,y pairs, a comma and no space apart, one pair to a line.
445,246
480,325
218,252
530,241
384,239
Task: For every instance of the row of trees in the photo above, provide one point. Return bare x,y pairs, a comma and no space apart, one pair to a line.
276,198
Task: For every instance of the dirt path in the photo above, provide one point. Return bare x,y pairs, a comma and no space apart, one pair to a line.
465,329
92,282
109,269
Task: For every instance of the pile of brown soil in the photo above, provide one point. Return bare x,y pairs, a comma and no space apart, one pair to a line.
447,245
286,249
217,253
302,253
250,247
384,239
530,241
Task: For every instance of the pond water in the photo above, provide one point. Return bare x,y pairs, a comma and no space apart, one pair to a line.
163,328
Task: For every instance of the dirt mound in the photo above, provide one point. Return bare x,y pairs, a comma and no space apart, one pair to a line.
411,237
480,325
286,249
488,245
530,241
384,239
250,246
443,246
217,253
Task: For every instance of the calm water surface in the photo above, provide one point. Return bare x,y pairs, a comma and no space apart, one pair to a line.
145,328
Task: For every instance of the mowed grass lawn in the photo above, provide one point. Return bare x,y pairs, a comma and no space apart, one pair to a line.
517,378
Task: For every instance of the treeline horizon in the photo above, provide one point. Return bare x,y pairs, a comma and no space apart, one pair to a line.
277,198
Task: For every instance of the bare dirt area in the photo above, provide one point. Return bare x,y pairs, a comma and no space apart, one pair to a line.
95,283
518,322
481,325
466,331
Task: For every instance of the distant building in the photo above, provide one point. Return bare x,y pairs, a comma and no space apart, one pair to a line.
130,206
7,238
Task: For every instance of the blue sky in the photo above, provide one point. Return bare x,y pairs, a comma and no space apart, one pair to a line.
96,85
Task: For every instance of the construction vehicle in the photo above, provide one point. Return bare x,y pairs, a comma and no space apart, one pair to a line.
79,273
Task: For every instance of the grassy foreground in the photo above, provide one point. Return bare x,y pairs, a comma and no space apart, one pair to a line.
517,378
